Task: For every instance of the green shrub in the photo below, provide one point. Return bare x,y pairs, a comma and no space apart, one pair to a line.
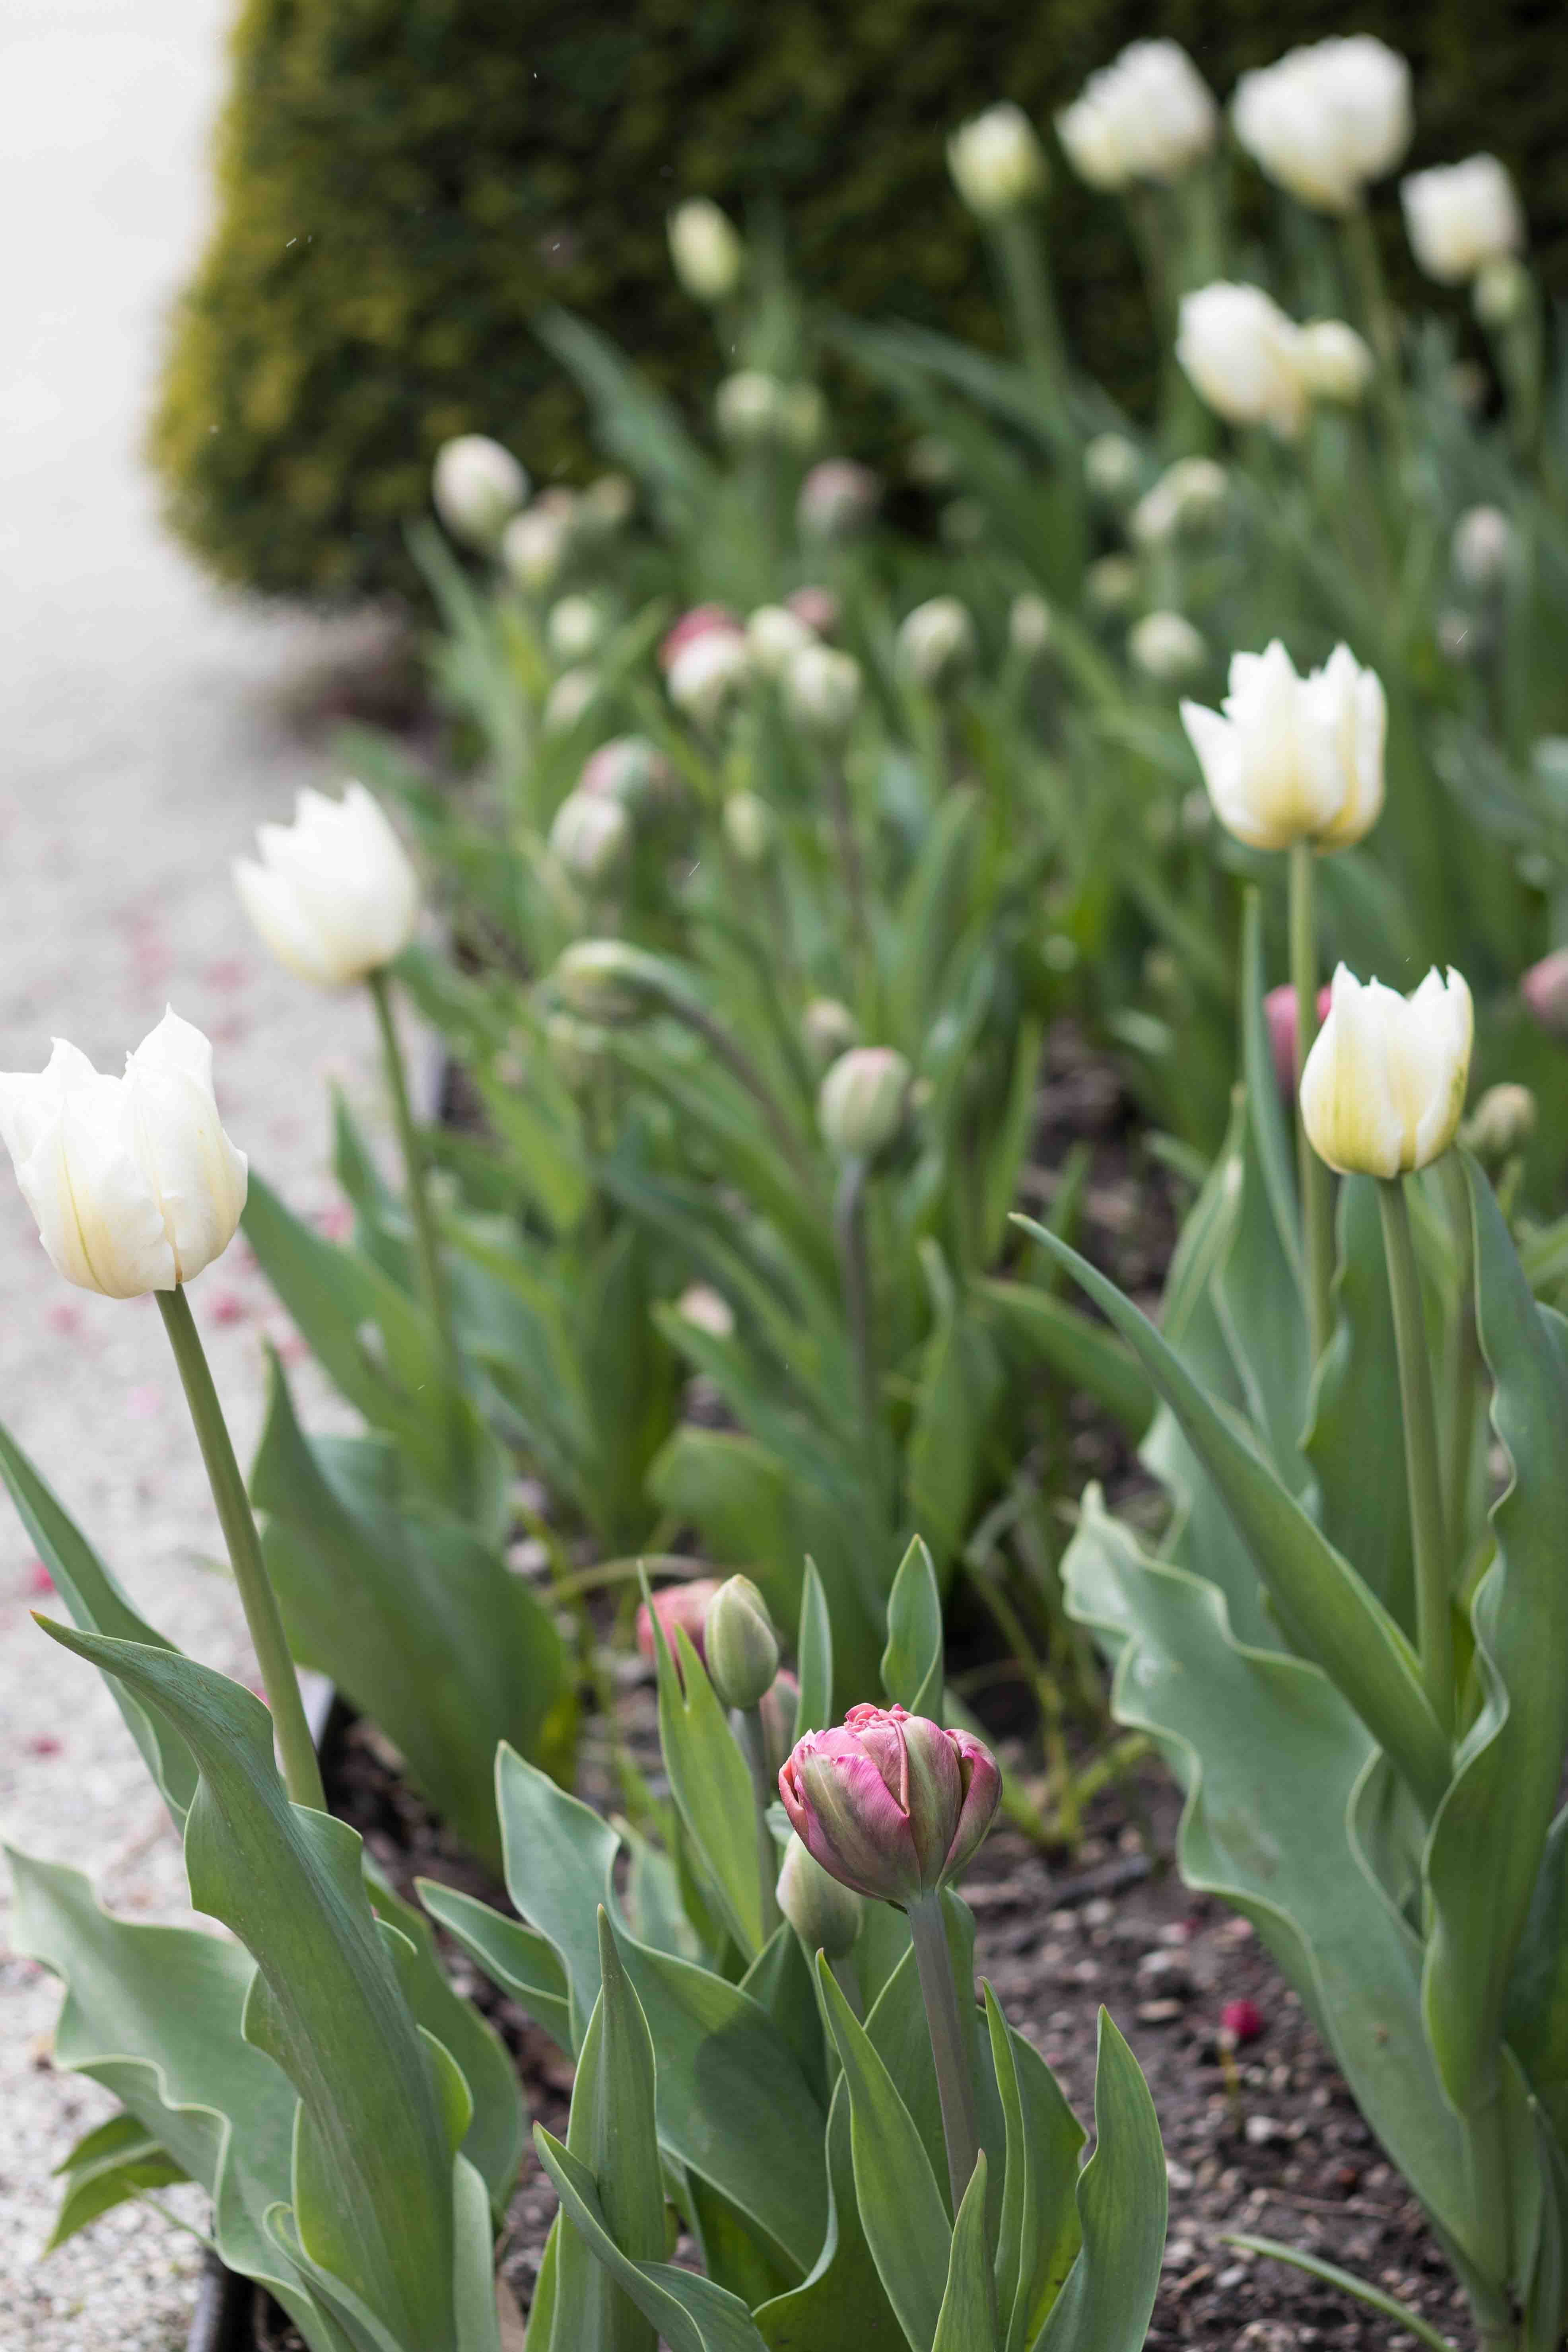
404,182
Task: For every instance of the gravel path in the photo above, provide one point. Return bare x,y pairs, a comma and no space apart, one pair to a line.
146,729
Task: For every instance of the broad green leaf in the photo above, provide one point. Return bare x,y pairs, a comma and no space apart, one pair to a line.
1040,2236
324,2001
558,1857
902,2210
421,1623
1083,1353
841,2305
688,2312
780,1980
524,1963
913,1661
100,1605
1324,1602
1258,1300
710,1782
542,2310
813,1657
734,2255
474,2262
967,2320
119,2159
1105,2305
611,2134
1489,1836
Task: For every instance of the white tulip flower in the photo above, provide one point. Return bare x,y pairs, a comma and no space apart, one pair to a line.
1148,115
333,896
1028,625
707,673
821,692
1112,465
997,162
591,835
535,544
749,826
861,1103
774,636
1336,363
1243,357
1327,119
575,628
1166,647
706,250
1383,1088
1290,759
748,408
1461,216
1482,547
132,1183
936,641
476,487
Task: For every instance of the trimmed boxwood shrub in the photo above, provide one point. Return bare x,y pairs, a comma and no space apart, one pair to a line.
403,182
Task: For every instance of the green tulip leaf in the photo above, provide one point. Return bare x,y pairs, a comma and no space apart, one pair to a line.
967,2320
1109,2294
1040,2234
524,1963
119,2160
710,1782
841,2306
1082,1354
558,1856
913,1662
813,1657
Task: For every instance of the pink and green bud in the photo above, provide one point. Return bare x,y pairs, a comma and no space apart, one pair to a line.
1544,989
742,1650
685,1605
890,1805
775,1710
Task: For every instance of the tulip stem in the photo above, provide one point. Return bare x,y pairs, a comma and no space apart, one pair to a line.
954,2083
1434,1606
1026,273
301,1772
426,1245
754,1741
1317,1200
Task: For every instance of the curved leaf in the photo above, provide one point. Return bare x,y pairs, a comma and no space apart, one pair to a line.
967,2320
1122,2200
1040,2232
841,2306
913,1662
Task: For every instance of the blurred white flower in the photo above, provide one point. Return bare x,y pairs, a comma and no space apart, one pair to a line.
706,672
822,691
591,837
628,769
997,162
476,487
132,1183
1243,356
1112,465
1336,364
1029,625
1327,119
774,636
569,700
1191,491
837,499
707,1309
1460,216
333,894
1166,647
1289,759
936,642
1149,115
747,408
749,826
575,629
706,250
1482,547
861,1104
535,544
829,1029
1383,1088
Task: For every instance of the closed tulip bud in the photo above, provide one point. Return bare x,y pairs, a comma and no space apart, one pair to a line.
825,1913
1460,216
936,643
1383,1088
534,545
1148,115
1335,363
602,980
776,1711
821,692
1544,989
1482,548
1501,295
749,827
774,636
708,673
748,408
333,896
860,1107
997,162
819,607
706,1309
1112,465
1243,357
607,506
1328,119
742,1650
1279,1014
575,629
1166,647
1502,1123
692,624
838,500
630,769
1289,759
829,1029
569,701
1111,585
476,487
706,250
891,1805
685,1605
1029,625
132,1183
591,837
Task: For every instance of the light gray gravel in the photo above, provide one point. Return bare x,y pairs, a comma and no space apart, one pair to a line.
145,730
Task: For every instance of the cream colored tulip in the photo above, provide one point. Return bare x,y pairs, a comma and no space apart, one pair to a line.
334,895
1460,217
476,487
1148,115
1336,363
1383,1088
1243,357
131,1181
706,250
1289,759
1326,121
997,162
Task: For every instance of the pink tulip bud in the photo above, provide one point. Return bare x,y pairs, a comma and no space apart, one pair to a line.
891,1804
1544,989
698,623
776,1708
1279,1011
685,1605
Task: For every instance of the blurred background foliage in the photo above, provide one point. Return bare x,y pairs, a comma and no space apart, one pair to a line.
404,184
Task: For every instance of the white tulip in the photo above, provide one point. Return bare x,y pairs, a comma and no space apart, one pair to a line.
839,499
706,250
1290,759
1326,121
707,1309
1461,216
748,408
1028,625
1149,115
1383,1088
1336,363
476,487
936,641
535,544
575,628
334,895
821,692
1112,465
1243,357
774,636
132,1183
1191,491
749,827
591,835
1166,647
707,673
861,1102
1482,547
997,162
